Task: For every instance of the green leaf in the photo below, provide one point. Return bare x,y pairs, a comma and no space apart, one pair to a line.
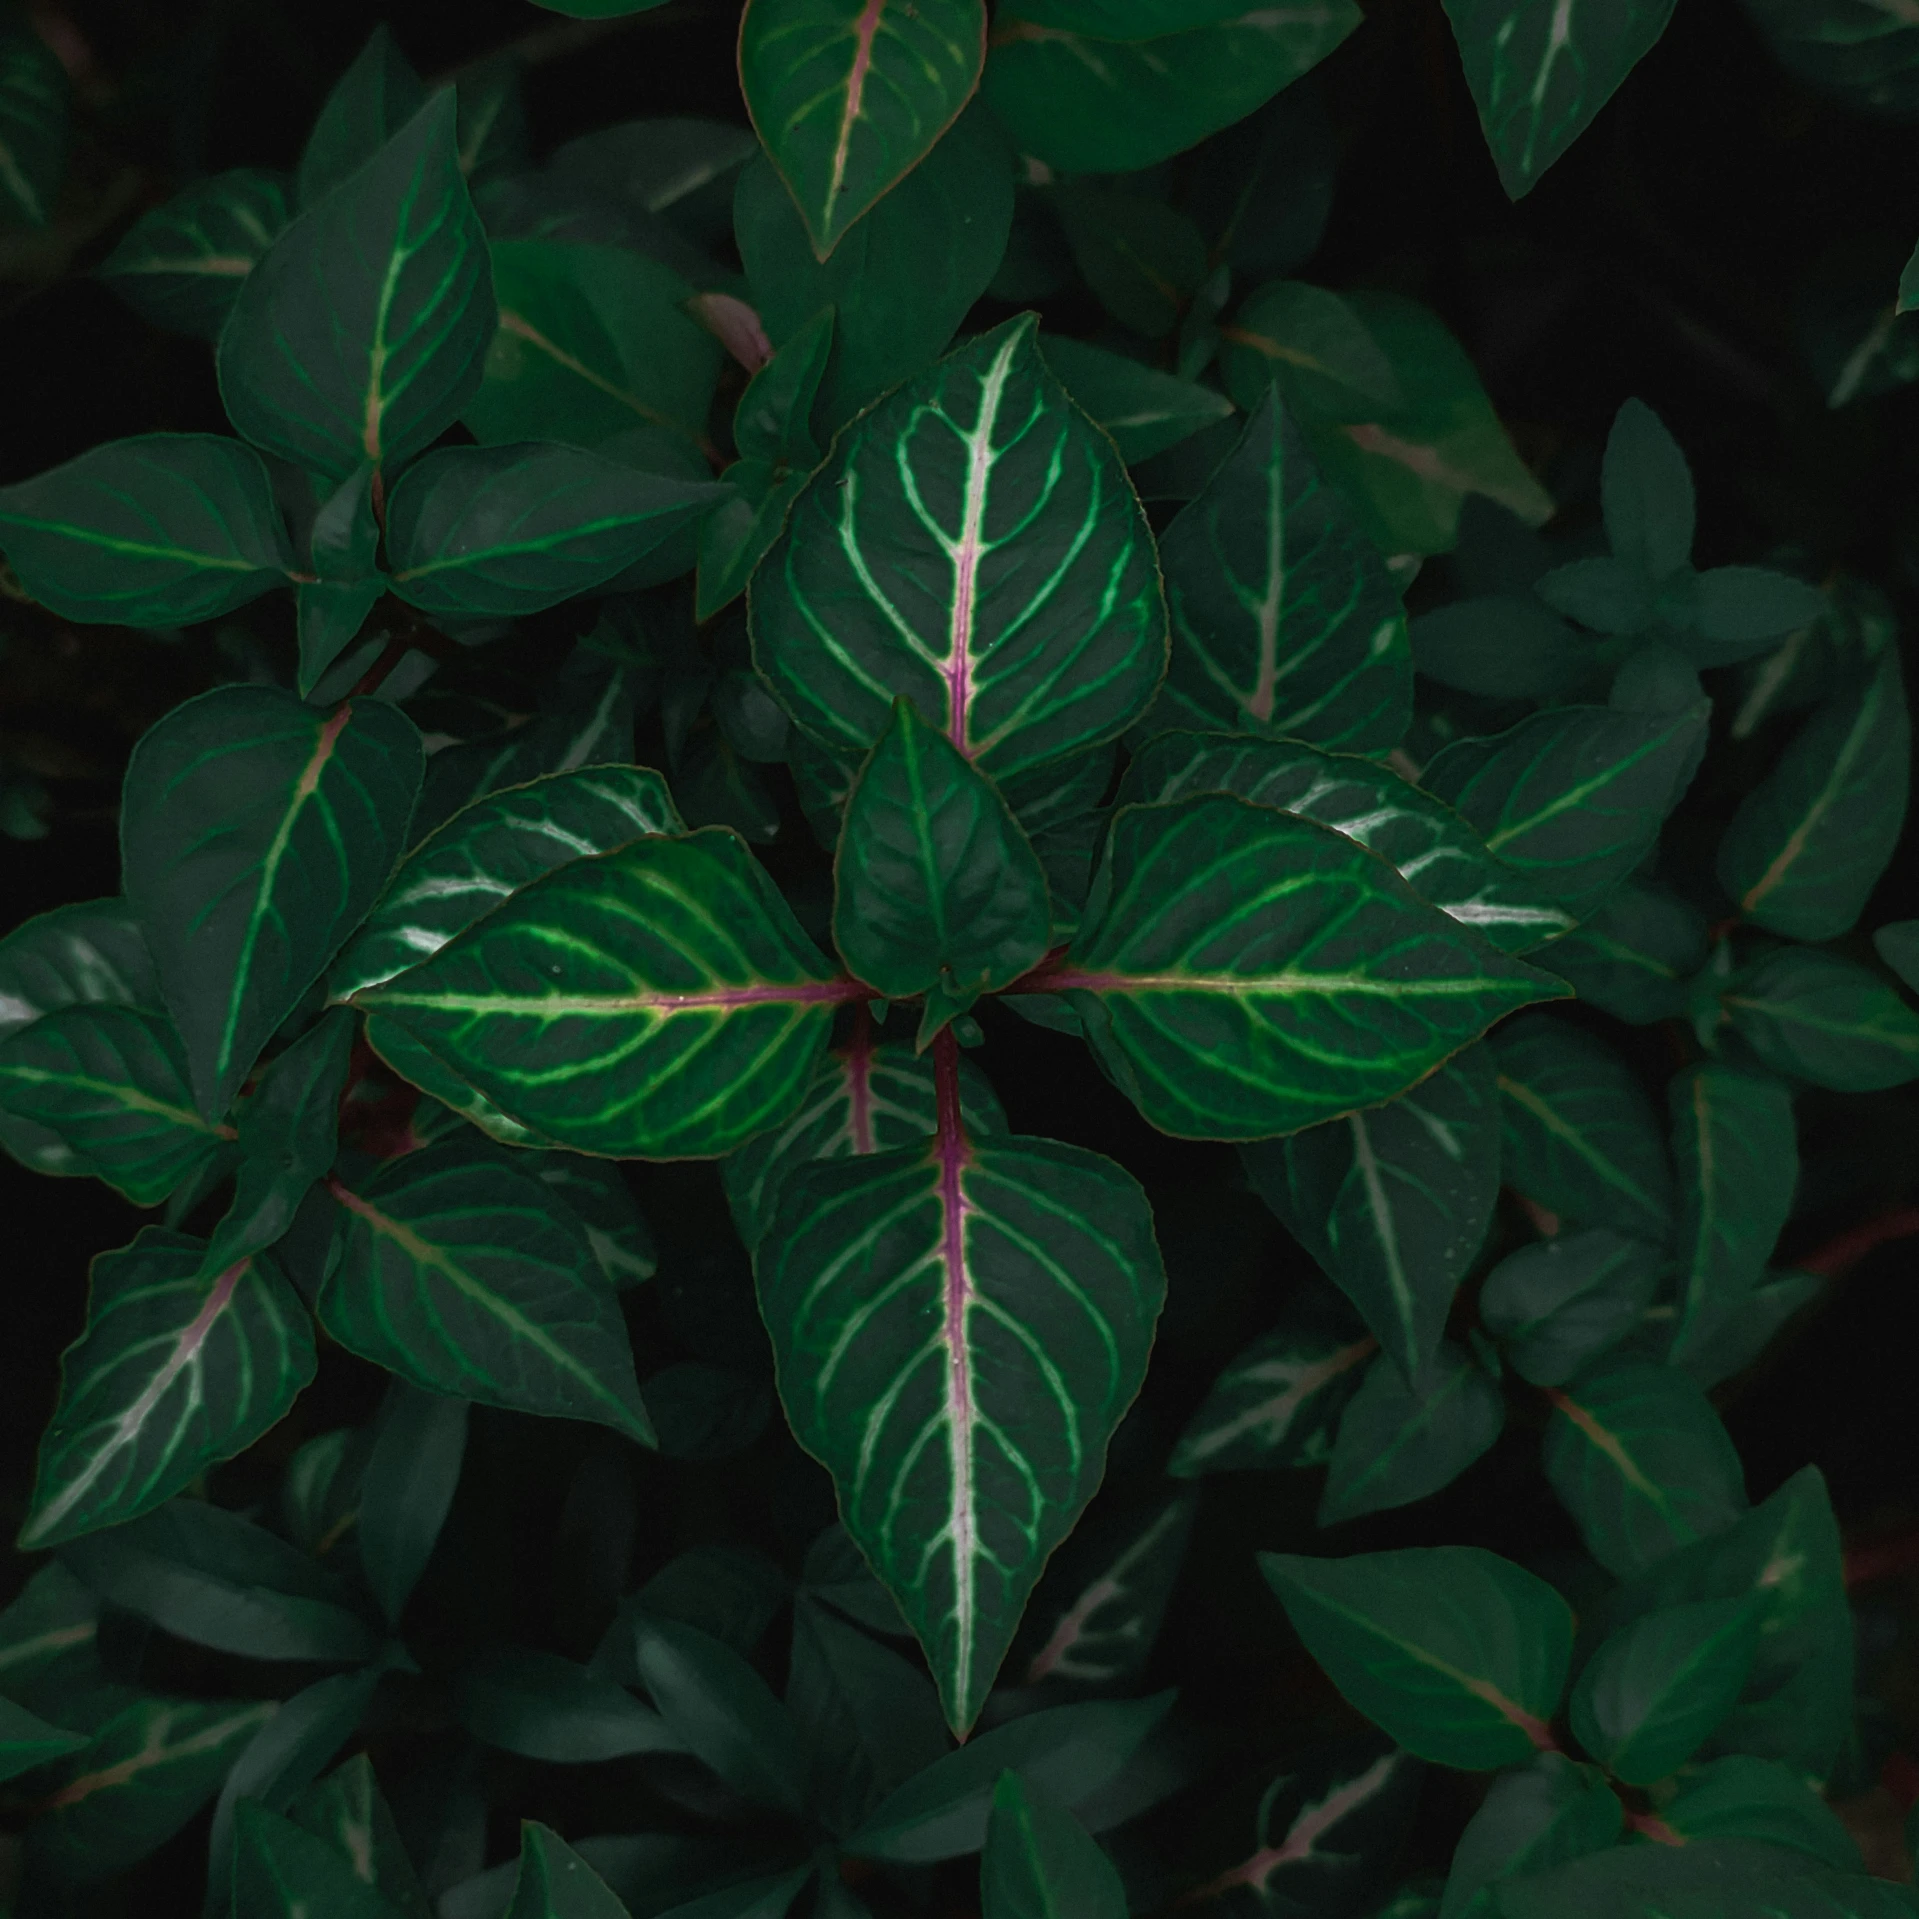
370,102
1824,1019
1605,594
774,418
1561,1302
459,1274
1143,259
1645,485
1538,1815
1738,610
140,1779
48,1639
737,535
360,335
181,265
1041,1863
693,1012
554,1882
1144,410
1066,1752
1771,1303
348,1811
958,1331
1037,631
406,1489
1433,850
1573,797
1738,1157
770,1896
1094,105
1394,1201
34,102
255,833
598,1197
545,1707
904,278
87,954
491,849
110,1084
1457,1654
1279,1401
1741,1798
1580,1137
1810,840
1285,620
1639,1458
421,1067
174,1372
935,888
282,1871
593,341
1897,944
1634,956
1251,973
1539,74
1652,1694
863,1099
848,97
27,1742
161,530
1498,645
1399,1443
502,531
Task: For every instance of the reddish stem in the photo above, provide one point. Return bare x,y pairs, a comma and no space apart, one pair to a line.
1884,1559
1837,1257
395,650
952,1129
1650,1826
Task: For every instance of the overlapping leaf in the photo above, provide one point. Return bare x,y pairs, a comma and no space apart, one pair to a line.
1563,1301
1533,1817
1824,1019
34,97
256,832
1399,1442
182,264
1039,1862
973,545
1146,411
659,1001
1250,973
370,102
1634,956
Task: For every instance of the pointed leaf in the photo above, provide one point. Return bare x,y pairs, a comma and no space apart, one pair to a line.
1580,1138
1041,1863
282,1871
1398,1443
692,1014
1251,973
1898,946
348,1811
1535,1816
1144,410
370,102
597,1195
774,419
1645,486
27,1742
1430,846
360,335
849,95
501,531
459,1274
90,953
1573,797
1394,1202
546,1707
407,1488
1457,1654
1633,957
174,1372
1822,1018
1285,620
1734,1143
1639,1458
934,885
957,1333
1742,1798
1563,1301
255,833
181,265
1810,840
556,1883
1039,628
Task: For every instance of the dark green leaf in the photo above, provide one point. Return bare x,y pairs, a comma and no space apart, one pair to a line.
904,278
282,1871
423,1068
1041,1863
34,94
1639,1458
770,1896
1738,1159
1039,629
1741,1798
256,832
848,98
693,1013
1811,839
958,1331
1573,797
737,534
1538,1815
1457,1654
1737,610
1285,620
1251,973
1776,1298
461,1275
935,888
1499,645
1580,1136
48,1642
1603,593
360,335
1564,1301
175,1371
181,265
554,1882
1651,1696
1433,850
160,530
598,1197
1646,486
1635,954
370,102
1394,1201
546,1707
348,1811
407,1488
1143,259
1398,1443
1824,1019
27,1742
774,419
1095,105
1279,1402
1898,946
1144,410
87,954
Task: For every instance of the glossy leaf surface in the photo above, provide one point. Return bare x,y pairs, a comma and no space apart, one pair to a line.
1041,1863
256,833
688,1015
1822,1018
1399,1442
1251,973
849,95
1741,1798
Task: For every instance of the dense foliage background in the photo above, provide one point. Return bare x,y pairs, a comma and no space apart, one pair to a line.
1724,244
